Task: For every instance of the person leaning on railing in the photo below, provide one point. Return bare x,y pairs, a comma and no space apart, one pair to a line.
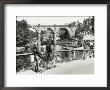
48,53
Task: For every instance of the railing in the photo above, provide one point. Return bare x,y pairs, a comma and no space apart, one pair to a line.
73,54
76,54
24,54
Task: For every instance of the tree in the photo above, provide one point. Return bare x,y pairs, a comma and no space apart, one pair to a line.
22,33
92,24
33,34
47,36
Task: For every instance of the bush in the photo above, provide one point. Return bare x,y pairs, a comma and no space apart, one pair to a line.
22,62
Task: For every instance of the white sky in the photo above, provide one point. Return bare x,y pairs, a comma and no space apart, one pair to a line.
51,20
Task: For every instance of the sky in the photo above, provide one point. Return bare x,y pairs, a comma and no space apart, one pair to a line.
34,20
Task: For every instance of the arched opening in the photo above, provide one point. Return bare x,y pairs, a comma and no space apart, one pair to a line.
47,36
63,34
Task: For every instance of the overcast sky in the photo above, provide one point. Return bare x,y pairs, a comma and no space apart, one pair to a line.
51,20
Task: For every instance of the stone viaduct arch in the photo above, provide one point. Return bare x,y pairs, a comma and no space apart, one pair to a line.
55,30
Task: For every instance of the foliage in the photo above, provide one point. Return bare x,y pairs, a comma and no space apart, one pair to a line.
92,24
86,28
22,33
22,62
47,36
33,34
